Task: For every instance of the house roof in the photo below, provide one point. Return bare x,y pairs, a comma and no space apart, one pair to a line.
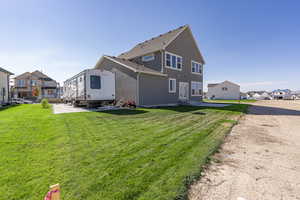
154,44
5,71
215,84
212,84
132,65
37,74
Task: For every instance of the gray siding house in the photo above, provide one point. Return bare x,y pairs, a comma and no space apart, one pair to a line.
165,70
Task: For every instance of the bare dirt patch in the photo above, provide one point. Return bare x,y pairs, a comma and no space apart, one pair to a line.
260,159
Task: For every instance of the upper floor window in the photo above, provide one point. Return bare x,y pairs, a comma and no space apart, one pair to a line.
33,83
21,83
173,61
224,88
147,58
196,67
95,82
196,88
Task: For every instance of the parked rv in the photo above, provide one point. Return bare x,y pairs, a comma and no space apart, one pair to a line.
91,87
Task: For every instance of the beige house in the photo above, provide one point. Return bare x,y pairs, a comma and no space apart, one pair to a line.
224,90
35,85
4,86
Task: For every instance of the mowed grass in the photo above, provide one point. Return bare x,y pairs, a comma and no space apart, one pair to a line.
128,154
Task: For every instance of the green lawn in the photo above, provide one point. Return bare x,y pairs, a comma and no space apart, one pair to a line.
128,154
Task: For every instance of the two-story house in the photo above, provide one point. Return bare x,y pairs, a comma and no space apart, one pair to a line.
35,85
165,70
4,86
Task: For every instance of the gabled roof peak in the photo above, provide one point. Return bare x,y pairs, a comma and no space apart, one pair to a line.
154,44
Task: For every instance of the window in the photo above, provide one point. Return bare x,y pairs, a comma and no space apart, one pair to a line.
179,62
168,60
50,92
196,88
196,67
173,61
172,85
95,82
21,83
147,58
224,88
33,83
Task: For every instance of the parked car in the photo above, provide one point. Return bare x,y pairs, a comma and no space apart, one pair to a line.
20,101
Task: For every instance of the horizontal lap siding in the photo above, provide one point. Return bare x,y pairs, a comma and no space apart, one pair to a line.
153,64
126,80
185,47
153,90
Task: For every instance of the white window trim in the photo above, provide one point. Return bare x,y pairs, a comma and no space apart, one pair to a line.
175,88
201,65
172,54
145,60
196,95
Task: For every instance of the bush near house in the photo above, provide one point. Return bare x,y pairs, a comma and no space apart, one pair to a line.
125,154
45,103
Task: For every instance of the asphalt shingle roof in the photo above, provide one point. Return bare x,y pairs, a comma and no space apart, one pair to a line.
5,71
152,45
134,66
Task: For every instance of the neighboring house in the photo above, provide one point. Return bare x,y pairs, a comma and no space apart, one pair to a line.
164,70
224,90
244,95
35,85
259,95
281,94
4,86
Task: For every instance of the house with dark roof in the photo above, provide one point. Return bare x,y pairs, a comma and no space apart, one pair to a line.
165,70
223,91
35,86
4,86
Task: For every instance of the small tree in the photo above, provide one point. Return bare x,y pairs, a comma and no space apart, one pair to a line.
45,103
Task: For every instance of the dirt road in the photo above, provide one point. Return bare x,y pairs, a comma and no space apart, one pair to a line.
260,159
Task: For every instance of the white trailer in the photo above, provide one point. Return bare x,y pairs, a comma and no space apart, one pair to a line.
91,87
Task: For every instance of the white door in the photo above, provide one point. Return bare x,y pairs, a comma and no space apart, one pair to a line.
183,91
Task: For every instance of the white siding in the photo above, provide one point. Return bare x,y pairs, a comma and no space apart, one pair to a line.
217,92
3,84
79,88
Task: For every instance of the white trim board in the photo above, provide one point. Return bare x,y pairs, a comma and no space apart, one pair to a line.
172,54
201,66
128,67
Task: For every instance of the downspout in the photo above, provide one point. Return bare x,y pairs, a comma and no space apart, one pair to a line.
8,97
162,61
138,89
202,75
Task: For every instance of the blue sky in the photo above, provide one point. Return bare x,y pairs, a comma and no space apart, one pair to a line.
255,43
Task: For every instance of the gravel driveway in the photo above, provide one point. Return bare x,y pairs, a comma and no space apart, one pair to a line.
260,159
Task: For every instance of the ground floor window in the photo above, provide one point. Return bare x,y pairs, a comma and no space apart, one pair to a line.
50,92
172,85
196,88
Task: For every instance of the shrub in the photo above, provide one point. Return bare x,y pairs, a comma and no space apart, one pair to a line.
45,103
